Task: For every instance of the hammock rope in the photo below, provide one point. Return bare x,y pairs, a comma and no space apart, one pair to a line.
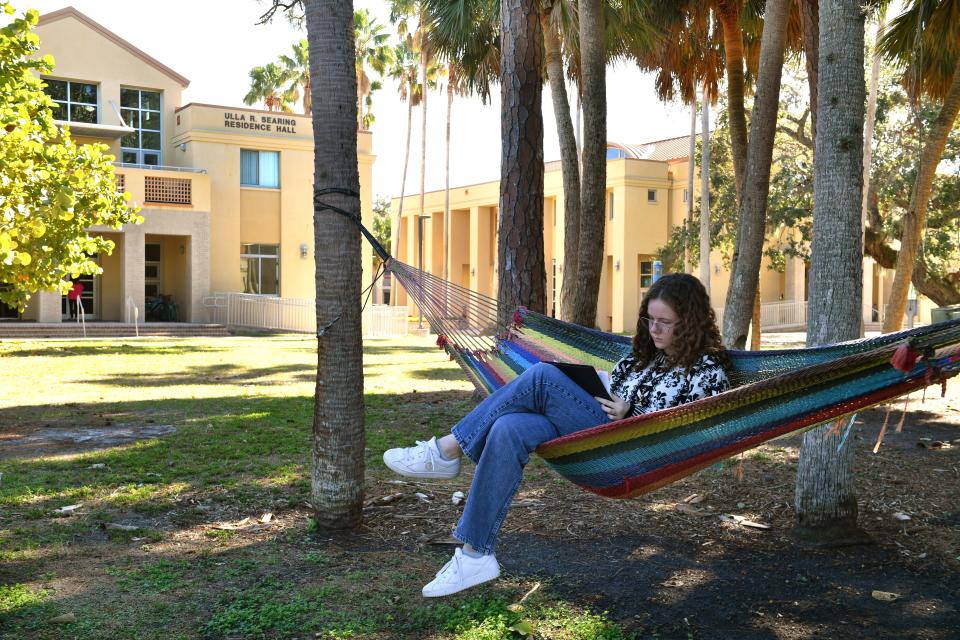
774,393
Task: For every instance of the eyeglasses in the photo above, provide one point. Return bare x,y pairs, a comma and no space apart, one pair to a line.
654,323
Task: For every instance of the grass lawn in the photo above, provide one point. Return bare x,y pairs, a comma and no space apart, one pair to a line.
204,532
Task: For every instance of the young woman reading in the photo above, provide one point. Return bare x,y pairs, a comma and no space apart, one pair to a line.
677,357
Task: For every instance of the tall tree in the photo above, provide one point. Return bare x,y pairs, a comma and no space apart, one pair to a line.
744,280
593,162
267,85
338,433
925,40
521,273
551,18
373,52
405,70
296,69
826,503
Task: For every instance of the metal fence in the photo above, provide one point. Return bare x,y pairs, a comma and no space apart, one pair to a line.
296,314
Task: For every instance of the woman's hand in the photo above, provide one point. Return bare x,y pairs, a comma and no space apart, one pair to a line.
615,409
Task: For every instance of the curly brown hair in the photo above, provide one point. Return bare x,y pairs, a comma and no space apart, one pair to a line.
696,332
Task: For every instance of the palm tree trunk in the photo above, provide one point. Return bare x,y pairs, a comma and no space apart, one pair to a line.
691,167
729,16
521,276
916,216
338,434
868,143
705,192
593,187
810,26
738,312
570,166
447,222
825,502
395,235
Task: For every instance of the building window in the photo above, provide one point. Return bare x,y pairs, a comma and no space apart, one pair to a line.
260,269
73,101
610,204
685,195
651,195
260,168
614,153
646,273
151,270
141,110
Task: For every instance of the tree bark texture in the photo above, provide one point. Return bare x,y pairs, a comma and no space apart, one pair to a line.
916,217
451,81
825,502
338,436
751,223
593,187
521,274
569,165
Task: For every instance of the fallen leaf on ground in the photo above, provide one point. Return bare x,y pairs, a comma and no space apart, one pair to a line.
885,596
66,618
119,527
695,498
901,516
69,508
265,518
690,510
393,497
457,497
672,583
729,517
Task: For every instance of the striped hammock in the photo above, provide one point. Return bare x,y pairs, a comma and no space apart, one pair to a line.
774,392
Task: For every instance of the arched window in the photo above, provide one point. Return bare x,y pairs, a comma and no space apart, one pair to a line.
614,153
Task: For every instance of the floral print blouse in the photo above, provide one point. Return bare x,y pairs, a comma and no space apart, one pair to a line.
656,387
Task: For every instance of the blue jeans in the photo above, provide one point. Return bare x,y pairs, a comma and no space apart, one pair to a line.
500,433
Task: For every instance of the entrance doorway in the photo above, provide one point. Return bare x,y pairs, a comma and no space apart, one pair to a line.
88,299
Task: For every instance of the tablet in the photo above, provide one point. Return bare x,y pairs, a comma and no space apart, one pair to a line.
585,376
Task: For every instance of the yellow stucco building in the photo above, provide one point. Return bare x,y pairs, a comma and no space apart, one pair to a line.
646,197
226,193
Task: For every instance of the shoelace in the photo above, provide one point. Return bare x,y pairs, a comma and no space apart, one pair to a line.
445,574
422,450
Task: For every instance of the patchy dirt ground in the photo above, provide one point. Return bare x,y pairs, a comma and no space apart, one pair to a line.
668,566
674,564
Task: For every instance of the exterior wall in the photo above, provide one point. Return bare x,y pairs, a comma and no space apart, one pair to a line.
201,237
84,53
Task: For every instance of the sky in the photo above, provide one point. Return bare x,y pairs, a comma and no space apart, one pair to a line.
215,43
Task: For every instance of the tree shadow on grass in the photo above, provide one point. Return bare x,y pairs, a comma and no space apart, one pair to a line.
224,374
81,349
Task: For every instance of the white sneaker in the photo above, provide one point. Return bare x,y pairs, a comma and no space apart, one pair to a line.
421,461
462,572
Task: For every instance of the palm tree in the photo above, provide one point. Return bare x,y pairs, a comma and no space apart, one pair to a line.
267,85
372,52
751,221
405,70
593,162
338,432
296,69
825,501
554,18
934,71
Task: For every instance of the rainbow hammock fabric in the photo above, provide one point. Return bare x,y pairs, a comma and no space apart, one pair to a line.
774,392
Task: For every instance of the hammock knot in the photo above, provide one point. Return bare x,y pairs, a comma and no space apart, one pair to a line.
442,341
905,357
518,316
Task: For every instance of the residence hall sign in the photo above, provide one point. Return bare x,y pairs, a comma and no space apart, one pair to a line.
259,122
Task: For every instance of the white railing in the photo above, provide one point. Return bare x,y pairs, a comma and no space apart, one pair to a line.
776,315
296,314
780,315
